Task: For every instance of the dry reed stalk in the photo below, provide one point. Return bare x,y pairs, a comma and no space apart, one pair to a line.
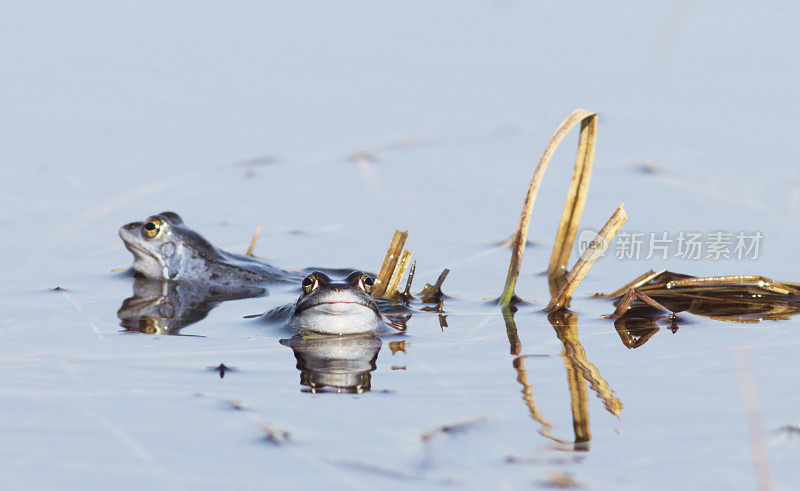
635,283
768,284
573,208
397,274
389,262
588,258
253,242
406,295
576,196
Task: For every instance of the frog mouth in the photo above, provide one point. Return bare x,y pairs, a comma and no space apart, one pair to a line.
142,254
140,251
336,307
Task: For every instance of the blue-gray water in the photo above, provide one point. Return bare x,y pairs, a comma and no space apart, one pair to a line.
114,112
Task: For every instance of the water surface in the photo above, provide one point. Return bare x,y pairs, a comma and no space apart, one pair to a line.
239,114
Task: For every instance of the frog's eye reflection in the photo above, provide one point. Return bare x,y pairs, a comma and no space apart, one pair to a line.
366,283
152,228
310,283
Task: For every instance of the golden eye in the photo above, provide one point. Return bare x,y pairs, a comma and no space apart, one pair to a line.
153,228
366,283
310,284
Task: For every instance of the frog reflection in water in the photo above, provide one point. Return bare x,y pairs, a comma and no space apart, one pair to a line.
335,363
165,249
166,307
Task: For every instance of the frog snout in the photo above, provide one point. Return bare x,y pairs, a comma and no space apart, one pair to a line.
129,229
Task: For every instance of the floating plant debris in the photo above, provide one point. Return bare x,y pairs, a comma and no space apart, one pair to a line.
433,293
274,435
222,369
736,298
453,428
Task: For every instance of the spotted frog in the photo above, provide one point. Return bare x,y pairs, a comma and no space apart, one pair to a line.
164,248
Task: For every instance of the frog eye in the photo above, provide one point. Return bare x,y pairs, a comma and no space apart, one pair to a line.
366,283
310,283
152,228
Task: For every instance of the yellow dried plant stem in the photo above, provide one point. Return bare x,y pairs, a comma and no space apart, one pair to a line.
576,196
397,274
255,238
635,283
760,281
389,262
588,258
574,205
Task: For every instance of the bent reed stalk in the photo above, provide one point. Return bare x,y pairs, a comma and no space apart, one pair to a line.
573,207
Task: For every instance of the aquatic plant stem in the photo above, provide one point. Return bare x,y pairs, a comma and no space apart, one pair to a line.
575,198
253,242
588,258
389,263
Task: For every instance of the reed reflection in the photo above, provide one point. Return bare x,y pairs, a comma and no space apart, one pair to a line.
579,372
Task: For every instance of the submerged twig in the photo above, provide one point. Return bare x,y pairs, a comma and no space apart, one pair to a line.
592,253
274,435
452,428
255,238
575,198
433,293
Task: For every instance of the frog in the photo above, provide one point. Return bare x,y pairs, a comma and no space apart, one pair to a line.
333,307
164,248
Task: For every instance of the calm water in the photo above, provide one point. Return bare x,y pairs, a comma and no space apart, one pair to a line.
243,113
